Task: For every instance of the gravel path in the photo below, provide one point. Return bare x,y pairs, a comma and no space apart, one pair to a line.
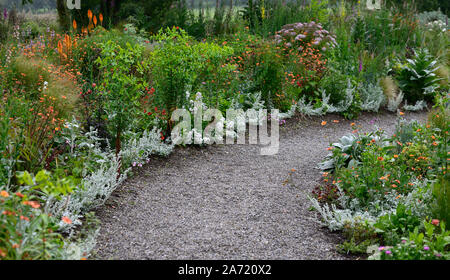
229,202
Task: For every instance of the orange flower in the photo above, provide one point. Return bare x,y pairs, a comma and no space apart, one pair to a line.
24,218
19,194
4,193
335,121
74,24
401,113
394,185
15,245
323,123
395,156
95,20
89,14
66,220
353,124
101,18
33,204
60,47
380,158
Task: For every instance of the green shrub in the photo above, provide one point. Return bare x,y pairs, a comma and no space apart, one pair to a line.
433,245
26,231
4,32
417,78
177,63
121,85
396,225
89,49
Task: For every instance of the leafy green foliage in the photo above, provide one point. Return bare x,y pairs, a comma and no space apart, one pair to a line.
348,151
431,245
396,225
44,183
122,84
417,78
178,63
26,232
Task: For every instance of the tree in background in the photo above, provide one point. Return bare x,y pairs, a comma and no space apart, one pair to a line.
63,14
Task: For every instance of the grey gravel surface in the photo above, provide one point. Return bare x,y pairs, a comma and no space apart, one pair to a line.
228,201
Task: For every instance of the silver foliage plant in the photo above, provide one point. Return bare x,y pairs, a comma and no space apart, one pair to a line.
394,103
307,108
419,106
96,187
372,97
349,211
81,248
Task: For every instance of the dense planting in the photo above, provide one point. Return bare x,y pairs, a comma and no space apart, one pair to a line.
390,195
86,100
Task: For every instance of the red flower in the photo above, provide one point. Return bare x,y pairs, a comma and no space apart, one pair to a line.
66,220
33,204
435,222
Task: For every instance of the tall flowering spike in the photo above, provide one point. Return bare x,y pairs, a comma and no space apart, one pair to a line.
74,24
95,20
101,18
360,64
5,13
90,15
60,47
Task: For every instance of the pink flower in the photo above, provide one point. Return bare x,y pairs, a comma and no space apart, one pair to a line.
435,222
